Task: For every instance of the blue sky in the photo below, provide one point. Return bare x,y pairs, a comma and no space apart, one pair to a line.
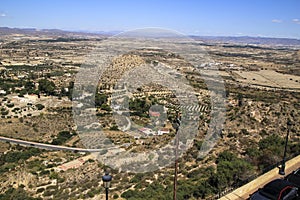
275,18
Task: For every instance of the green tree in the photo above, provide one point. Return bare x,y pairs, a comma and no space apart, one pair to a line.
40,106
16,194
230,169
139,107
273,143
100,99
29,85
47,87
62,137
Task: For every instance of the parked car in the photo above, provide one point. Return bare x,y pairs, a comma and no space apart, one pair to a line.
278,189
294,178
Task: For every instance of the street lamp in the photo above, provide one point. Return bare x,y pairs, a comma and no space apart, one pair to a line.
106,183
282,167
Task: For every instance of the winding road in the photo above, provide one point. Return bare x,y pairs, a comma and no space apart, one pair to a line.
47,146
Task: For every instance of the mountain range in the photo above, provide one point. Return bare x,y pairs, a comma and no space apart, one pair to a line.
222,39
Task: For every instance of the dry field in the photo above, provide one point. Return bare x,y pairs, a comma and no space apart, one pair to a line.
269,78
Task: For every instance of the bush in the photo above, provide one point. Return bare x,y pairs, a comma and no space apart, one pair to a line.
244,131
105,107
16,194
100,99
128,194
40,190
46,86
40,106
10,105
4,112
53,175
62,137
230,168
15,156
114,128
137,178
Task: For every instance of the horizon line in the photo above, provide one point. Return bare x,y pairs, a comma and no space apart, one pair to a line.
112,32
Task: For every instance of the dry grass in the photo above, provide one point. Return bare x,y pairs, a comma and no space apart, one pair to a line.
269,78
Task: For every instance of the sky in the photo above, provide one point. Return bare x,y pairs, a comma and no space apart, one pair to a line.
265,18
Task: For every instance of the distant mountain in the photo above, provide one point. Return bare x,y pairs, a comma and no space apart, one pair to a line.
6,30
99,32
214,39
250,40
50,32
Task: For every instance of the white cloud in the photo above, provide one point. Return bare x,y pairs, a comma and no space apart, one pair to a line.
297,21
3,15
277,21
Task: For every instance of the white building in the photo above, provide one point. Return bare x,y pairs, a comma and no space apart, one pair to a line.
163,131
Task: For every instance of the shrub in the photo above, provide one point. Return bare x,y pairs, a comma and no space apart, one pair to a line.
40,106
47,87
40,190
10,105
62,137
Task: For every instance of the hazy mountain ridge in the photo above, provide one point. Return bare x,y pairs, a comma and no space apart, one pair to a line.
251,40
221,39
51,32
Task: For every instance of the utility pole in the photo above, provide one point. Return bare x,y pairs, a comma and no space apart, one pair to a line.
176,125
176,168
282,167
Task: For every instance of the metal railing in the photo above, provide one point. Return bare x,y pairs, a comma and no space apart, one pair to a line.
250,178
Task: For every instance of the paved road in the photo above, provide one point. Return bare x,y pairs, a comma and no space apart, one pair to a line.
46,146
243,192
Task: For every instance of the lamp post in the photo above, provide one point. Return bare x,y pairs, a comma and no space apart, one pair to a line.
106,183
282,167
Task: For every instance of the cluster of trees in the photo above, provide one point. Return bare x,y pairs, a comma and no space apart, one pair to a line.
190,188
28,87
40,106
153,191
230,170
16,194
270,151
9,160
21,154
139,107
100,99
10,86
68,92
62,137
46,86
62,39
200,184
101,102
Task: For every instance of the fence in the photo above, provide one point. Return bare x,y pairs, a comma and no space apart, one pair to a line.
249,179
